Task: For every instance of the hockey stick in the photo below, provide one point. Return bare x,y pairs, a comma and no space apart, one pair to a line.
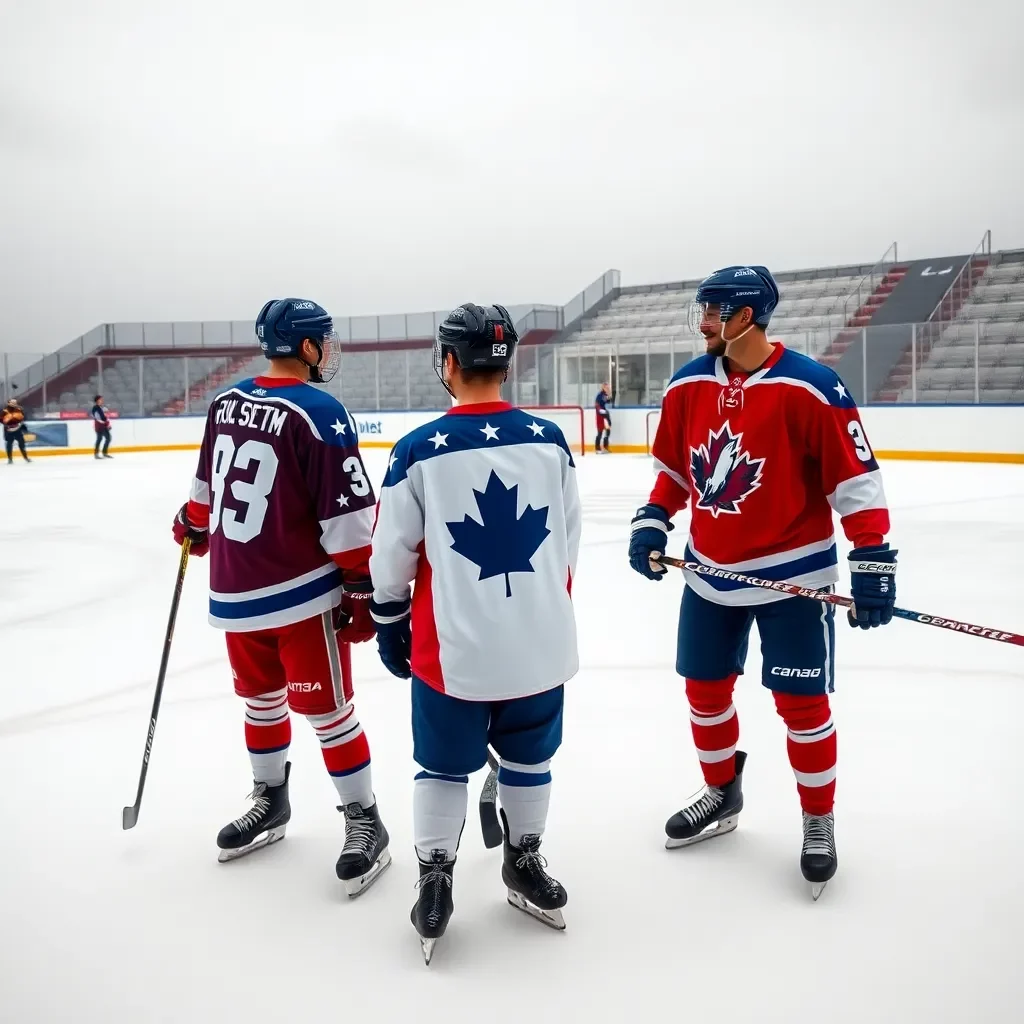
489,825
985,632
130,815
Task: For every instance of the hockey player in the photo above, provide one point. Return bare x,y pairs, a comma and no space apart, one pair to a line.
603,417
283,503
480,509
763,444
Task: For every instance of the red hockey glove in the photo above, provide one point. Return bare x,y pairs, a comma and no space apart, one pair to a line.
199,536
352,618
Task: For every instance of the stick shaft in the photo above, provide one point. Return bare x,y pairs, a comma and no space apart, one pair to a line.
785,587
130,815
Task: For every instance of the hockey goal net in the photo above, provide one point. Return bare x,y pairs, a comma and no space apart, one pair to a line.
569,418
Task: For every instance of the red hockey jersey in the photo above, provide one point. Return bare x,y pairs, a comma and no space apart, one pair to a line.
763,460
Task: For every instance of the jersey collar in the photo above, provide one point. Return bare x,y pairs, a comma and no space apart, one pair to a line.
479,409
277,382
751,378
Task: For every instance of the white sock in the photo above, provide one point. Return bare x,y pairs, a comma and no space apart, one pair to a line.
439,805
524,791
356,788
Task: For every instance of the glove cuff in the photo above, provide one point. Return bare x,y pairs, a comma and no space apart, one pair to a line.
385,613
879,561
363,587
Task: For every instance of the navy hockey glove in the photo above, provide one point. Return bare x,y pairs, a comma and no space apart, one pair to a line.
394,635
647,537
873,585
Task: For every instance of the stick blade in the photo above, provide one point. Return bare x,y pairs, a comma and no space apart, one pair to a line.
129,817
490,827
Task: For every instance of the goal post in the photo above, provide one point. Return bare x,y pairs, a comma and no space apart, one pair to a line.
571,420
653,419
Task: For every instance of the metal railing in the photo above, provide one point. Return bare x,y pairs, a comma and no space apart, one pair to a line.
26,372
962,361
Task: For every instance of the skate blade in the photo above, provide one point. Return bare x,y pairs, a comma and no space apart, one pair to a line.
552,918
265,839
355,886
719,828
427,947
817,888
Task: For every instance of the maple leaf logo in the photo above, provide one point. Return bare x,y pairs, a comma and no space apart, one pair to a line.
724,473
502,542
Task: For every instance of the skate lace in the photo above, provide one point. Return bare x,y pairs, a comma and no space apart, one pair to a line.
436,877
360,833
254,815
707,804
819,833
532,861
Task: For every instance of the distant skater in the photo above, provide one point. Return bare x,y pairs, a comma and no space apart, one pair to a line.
102,424
14,430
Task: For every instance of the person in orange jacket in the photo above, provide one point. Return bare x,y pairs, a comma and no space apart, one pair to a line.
14,429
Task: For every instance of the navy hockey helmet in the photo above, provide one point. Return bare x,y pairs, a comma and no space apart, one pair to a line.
480,338
733,288
283,325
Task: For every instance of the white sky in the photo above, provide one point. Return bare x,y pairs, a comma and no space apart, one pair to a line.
190,159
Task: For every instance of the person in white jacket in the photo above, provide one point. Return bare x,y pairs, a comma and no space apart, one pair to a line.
480,510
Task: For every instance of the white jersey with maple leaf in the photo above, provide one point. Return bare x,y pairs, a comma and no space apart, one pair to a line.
480,510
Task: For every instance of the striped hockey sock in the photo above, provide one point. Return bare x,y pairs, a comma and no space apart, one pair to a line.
715,726
346,754
811,744
268,734
524,792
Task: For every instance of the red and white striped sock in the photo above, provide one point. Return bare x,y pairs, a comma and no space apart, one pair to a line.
268,734
346,754
811,743
715,726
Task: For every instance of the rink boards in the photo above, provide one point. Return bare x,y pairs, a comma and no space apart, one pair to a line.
967,433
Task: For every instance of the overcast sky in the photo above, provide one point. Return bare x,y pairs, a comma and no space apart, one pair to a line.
191,159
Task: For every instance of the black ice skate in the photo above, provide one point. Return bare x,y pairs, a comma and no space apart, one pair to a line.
715,812
365,854
264,823
530,888
433,907
818,860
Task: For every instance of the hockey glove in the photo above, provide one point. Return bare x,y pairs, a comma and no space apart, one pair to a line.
873,585
352,619
394,635
199,535
647,538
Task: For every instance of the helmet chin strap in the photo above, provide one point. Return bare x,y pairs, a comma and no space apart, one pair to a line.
729,342
314,368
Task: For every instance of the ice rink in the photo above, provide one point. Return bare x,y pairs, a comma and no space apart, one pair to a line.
921,924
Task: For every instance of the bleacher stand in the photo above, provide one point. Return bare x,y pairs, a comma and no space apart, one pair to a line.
946,374
811,310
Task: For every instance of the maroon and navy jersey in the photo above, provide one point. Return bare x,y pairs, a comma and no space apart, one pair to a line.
762,460
288,504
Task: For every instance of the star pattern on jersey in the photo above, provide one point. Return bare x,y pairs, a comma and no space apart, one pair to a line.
338,427
391,462
489,432
840,390
343,500
440,440
538,430
502,542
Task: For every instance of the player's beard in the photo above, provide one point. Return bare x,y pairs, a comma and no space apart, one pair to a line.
715,344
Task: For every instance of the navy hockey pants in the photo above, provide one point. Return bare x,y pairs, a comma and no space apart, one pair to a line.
450,735
797,642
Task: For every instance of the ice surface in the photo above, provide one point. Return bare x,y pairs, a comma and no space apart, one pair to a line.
921,924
